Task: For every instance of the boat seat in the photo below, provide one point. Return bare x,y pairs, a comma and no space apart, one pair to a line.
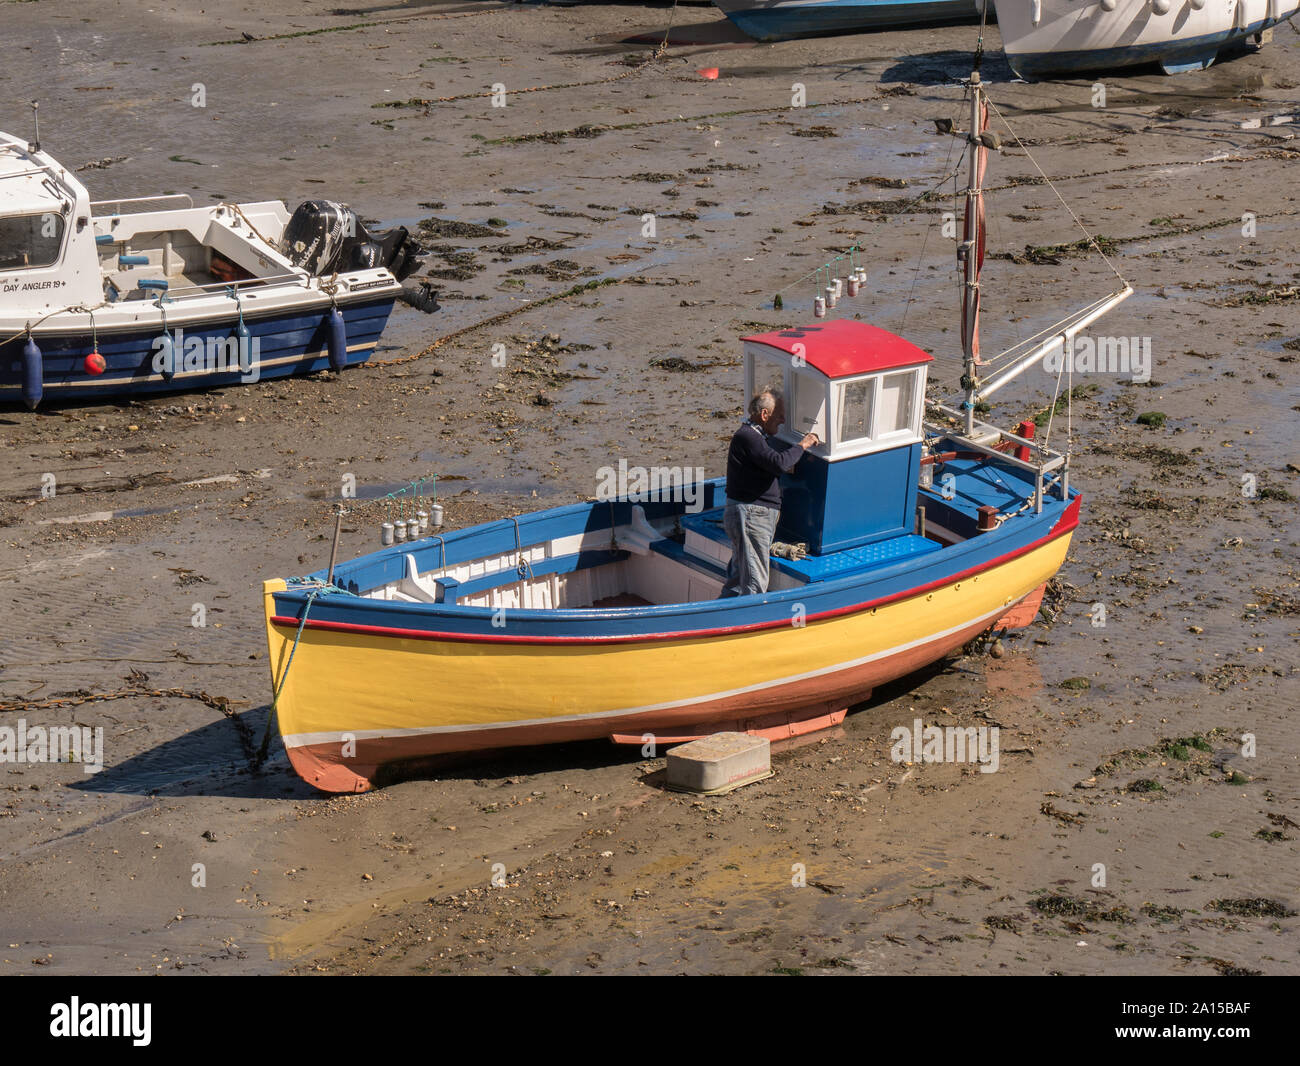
708,525
560,564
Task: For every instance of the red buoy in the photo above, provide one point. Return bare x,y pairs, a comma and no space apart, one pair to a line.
95,364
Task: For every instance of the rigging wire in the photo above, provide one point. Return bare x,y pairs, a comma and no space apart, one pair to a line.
916,274
1082,228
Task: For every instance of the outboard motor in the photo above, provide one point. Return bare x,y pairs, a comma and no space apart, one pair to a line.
324,237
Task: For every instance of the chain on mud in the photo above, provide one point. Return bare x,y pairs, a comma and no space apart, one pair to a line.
577,290
219,703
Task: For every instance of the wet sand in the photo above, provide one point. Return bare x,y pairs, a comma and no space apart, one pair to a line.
909,869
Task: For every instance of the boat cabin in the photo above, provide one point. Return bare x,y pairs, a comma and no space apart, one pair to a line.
58,249
861,389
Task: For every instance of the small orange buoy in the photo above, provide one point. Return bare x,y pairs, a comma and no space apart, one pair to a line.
708,73
95,364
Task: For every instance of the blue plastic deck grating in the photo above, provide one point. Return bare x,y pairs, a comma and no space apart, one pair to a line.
823,567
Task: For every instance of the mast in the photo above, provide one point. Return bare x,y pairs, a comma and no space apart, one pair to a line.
971,251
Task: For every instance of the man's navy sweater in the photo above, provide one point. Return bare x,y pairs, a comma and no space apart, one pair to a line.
754,467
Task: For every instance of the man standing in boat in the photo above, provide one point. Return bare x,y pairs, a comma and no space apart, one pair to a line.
754,470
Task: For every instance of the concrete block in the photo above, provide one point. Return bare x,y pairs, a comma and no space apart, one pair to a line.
720,763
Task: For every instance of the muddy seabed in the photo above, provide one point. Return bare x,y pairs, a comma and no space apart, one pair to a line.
1120,744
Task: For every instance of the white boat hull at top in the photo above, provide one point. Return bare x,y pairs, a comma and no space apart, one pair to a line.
1045,37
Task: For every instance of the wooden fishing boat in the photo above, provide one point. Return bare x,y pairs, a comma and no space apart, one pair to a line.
779,20
127,297
1046,37
601,619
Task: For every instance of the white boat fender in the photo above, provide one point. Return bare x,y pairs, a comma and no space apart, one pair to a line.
33,373
1160,7
1110,5
1036,12
338,339
1197,5
164,359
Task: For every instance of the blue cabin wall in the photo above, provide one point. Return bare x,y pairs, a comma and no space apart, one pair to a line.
835,505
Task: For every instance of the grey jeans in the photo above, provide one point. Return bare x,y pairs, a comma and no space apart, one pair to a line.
751,527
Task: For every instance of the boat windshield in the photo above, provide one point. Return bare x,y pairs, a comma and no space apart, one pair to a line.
30,240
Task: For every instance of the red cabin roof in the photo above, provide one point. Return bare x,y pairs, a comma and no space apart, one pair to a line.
845,347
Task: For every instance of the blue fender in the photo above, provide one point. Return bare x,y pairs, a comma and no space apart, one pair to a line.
338,339
33,373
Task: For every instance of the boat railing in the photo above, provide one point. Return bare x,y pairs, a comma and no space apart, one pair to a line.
1043,460
139,204
190,292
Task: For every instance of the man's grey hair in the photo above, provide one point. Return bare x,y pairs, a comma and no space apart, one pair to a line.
764,400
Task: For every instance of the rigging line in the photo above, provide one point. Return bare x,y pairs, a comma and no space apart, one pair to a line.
979,41
1051,411
1053,328
916,274
1082,228
923,198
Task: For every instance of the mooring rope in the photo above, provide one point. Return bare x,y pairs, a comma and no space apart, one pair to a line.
284,677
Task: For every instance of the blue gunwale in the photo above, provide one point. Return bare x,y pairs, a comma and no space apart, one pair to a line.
853,592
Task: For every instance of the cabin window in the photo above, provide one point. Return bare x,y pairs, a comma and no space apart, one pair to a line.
30,240
857,399
897,403
769,376
806,409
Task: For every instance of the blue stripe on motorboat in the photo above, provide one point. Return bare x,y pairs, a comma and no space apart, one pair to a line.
290,343
846,16
1192,53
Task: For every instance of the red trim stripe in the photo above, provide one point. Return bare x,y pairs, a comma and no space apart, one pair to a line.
1068,521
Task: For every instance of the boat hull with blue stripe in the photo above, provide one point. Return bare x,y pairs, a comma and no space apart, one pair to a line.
1043,38
279,345
777,20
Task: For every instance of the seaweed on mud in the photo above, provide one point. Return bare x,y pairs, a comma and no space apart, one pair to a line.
1008,922
1079,392
1066,817
1148,499
880,183
1162,912
529,244
1054,254
1268,294
1252,907
1063,905
446,227
1231,969
1195,749
1152,454
678,365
